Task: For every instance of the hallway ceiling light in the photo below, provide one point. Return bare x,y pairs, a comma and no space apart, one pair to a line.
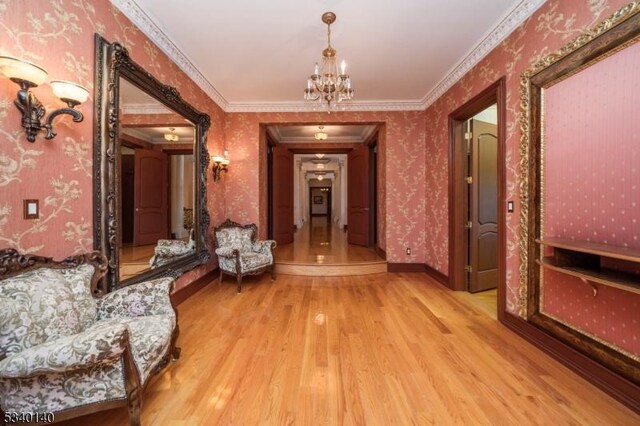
319,156
320,136
325,85
320,177
171,136
320,166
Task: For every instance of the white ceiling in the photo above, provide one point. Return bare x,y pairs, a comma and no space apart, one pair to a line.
257,55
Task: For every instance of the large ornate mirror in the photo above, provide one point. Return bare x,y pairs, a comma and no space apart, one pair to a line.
580,197
150,153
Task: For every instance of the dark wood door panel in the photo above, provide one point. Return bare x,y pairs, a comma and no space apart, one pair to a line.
483,207
282,195
358,202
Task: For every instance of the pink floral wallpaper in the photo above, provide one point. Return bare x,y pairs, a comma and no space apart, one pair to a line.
58,35
553,25
413,177
401,179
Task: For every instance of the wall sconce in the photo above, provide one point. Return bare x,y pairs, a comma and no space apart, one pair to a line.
219,165
27,75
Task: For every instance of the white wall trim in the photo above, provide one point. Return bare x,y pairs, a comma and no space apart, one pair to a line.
506,26
302,106
490,41
140,18
154,108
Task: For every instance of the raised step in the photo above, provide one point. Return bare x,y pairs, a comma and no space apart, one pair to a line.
331,270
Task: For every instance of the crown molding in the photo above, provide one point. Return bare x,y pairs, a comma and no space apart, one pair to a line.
378,105
506,26
311,139
140,18
490,41
154,108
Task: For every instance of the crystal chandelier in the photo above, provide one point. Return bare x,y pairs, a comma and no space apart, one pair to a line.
325,85
320,135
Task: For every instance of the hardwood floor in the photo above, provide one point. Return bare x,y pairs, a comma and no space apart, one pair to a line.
320,242
487,301
134,260
320,248
386,349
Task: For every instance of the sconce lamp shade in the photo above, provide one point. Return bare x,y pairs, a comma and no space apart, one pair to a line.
217,159
225,162
68,91
18,70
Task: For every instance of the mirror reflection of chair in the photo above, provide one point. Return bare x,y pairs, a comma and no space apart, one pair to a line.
167,251
240,253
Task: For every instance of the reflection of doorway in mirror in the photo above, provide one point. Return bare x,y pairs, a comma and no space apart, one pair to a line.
182,203
172,179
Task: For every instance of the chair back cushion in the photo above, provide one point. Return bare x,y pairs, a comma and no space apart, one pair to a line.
235,238
42,305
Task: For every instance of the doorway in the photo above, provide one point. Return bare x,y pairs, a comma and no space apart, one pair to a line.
477,205
320,201
329,187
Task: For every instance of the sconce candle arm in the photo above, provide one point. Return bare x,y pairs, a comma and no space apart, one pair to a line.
77,117
32,112
28,76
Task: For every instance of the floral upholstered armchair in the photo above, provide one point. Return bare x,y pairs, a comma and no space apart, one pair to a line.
68,349
169,250
240,254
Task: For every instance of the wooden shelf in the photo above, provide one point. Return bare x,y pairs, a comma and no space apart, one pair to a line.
608,277
622,253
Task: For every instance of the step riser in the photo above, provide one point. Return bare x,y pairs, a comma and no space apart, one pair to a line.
331,270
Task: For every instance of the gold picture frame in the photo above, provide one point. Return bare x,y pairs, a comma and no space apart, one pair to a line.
615,33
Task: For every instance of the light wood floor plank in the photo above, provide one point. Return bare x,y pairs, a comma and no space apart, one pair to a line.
380,349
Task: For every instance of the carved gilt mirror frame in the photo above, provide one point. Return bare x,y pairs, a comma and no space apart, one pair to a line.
616,33
112,61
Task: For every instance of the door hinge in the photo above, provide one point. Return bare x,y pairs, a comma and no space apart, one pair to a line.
468,268
469,180
468,135
468,225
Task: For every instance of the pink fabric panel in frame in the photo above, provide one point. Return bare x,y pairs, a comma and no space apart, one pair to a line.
592,188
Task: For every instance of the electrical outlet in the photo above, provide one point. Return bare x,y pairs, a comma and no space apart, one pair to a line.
408,251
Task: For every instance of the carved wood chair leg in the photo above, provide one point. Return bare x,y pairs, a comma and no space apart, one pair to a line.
239,276
134,410
220,279
175,354
273,272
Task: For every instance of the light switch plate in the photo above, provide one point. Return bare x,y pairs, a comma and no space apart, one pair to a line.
31,209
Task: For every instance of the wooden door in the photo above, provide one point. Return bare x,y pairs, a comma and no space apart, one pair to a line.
483,203
150,212
358,200
282,169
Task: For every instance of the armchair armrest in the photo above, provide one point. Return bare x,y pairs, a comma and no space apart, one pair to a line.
96,345
142,299
227,252
264,247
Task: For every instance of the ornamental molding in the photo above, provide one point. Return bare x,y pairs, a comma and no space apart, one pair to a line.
145,24
303,106
506,26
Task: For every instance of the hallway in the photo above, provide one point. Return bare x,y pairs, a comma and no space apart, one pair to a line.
320,244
